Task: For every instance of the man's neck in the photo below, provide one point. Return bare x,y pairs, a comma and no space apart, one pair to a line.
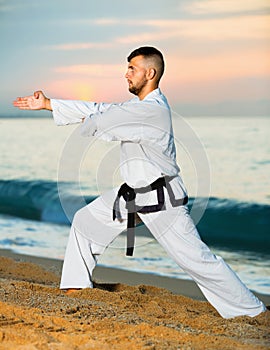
146,91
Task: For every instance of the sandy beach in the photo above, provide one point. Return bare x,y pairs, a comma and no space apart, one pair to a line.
124,310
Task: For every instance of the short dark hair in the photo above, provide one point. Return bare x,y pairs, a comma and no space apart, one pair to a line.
149,51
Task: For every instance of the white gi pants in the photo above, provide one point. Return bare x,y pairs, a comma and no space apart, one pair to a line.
93,230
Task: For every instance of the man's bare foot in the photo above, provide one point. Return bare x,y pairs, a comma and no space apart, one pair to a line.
72,290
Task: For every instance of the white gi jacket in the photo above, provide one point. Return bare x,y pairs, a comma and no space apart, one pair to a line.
144,128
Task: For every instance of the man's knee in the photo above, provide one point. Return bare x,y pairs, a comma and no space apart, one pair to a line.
81,216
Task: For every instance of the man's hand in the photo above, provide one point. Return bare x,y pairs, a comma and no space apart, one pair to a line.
35,102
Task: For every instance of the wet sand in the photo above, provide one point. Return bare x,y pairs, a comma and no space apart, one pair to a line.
124,310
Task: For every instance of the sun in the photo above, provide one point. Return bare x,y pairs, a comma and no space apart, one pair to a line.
82,91
75,89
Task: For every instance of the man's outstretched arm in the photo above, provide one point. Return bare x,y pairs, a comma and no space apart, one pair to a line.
64,111
35,102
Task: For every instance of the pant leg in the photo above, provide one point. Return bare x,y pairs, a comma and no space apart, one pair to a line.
176,232
92,230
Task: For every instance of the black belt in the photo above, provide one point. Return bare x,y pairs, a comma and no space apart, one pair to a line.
129,195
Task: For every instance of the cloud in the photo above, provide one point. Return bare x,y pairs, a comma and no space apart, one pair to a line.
108,21
219,67
93,70
211,7
211,78
79,46
224,29
221,29
144,37
7,6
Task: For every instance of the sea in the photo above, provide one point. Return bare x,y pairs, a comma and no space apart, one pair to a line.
48,172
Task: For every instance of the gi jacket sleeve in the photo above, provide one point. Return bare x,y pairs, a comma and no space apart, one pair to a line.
72,111
125,122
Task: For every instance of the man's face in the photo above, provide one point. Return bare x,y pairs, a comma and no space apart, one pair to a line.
136,75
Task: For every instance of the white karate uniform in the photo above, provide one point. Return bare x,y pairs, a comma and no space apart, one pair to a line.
144,129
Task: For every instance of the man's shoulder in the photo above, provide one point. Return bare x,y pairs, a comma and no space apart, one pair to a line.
155,103
157,97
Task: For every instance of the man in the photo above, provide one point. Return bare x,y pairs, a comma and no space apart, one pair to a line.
143,126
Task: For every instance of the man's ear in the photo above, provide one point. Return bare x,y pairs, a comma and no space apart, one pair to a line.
151,73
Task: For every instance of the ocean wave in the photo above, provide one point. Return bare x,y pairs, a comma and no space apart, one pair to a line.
229,223
38,200
226,223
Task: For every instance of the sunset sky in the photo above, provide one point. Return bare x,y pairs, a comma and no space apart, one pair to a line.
217,52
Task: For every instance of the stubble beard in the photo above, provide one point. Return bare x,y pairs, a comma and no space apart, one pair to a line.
136,89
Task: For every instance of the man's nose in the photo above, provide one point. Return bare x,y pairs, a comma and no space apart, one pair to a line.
126,75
